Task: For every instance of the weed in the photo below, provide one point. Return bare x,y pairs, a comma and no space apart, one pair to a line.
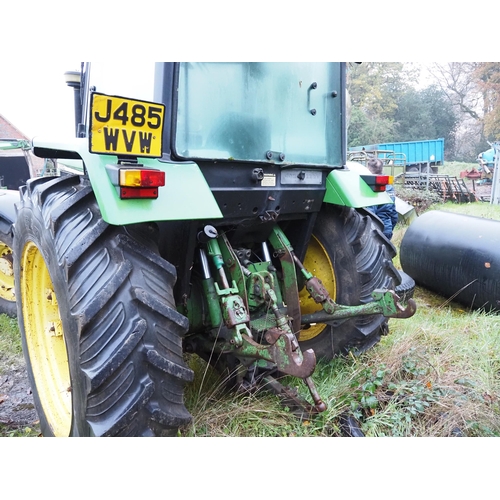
435,374
10,343
6,431
420,199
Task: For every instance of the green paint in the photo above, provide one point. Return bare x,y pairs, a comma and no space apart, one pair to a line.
233,266
215,252
7,144
186,194
384,303
346,188
213,302
307,275
278,240
263,323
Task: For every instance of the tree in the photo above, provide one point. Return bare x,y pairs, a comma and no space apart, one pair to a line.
375,89
426,114
487,75
363,131
460,83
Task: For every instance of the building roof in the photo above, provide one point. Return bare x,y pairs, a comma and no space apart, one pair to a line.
9,131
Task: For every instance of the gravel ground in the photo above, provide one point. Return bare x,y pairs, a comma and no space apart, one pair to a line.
483,191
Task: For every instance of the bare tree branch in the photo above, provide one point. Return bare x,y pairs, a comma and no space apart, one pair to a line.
458,82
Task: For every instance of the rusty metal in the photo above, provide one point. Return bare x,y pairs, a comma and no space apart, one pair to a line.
284,252
446,186
289,398
234,311
385,302
403,312
272,335
285,353
320,295
319,405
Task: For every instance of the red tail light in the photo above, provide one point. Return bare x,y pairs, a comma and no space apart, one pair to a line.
378,183
140,183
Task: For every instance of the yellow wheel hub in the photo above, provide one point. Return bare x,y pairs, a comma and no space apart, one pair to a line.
45,341
6,274
319,264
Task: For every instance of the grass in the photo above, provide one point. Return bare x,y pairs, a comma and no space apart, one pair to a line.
435,374
11,356
10,343
454,168
476,209
8,431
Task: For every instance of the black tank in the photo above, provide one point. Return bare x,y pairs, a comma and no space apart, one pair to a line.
455,254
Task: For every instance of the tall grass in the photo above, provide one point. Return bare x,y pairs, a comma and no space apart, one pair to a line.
10,343
476,209
435,374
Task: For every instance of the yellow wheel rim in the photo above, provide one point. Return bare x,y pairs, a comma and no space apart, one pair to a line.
319,264
45,341
6,273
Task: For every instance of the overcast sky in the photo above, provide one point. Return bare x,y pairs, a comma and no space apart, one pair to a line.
35,98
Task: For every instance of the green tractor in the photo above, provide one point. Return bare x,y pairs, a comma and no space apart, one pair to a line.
201,208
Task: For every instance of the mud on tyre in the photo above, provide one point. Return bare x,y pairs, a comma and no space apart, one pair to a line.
96,301
350,255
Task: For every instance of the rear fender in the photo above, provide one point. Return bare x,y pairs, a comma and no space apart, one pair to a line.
347,188
186,194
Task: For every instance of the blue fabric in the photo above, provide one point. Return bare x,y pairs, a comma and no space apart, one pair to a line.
387,213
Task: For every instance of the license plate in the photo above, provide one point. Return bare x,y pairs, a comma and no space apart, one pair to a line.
121,126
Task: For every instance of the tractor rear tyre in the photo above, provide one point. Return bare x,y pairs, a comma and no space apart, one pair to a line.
406,288
101,336
350,255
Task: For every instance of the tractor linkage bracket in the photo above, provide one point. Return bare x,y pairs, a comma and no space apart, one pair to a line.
289,397
385,302
300,408
283,350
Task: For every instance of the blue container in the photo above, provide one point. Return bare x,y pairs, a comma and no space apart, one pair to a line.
416,152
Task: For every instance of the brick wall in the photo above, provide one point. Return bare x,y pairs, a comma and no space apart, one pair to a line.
10,131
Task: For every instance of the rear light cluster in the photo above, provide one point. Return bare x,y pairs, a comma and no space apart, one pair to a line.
136,182
140,183
378,183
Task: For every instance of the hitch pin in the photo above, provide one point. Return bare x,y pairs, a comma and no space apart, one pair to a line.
319,405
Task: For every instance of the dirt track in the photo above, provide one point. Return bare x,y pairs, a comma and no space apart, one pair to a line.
16,401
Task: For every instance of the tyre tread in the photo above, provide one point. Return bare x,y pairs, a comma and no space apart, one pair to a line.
367,254
117,292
